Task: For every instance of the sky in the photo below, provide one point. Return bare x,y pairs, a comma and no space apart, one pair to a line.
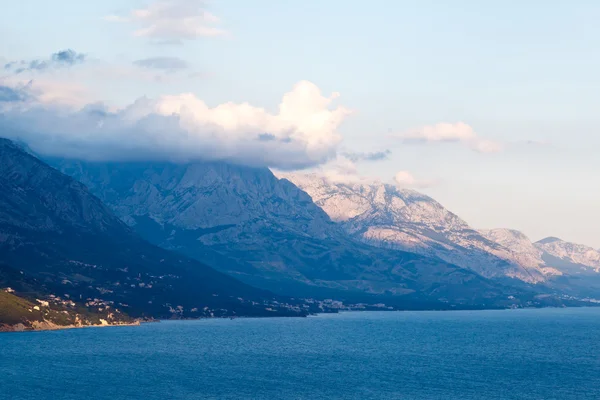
488,107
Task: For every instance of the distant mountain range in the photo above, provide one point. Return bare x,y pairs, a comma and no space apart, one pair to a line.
267,232
386,216
146,239
564,258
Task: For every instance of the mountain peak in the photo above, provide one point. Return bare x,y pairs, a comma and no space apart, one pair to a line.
343,200
571,257
505,234
549,239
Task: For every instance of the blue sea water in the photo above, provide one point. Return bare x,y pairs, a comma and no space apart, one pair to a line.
512,354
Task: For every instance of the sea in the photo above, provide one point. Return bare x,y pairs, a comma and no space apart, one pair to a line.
500,354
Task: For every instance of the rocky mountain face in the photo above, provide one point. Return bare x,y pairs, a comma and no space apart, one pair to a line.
552,255
268,232
571,268
386,216
524,251
571,258
58,239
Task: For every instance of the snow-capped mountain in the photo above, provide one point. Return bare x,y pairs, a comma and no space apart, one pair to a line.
386,216
571,258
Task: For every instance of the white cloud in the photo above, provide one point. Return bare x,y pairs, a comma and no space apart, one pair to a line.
173,20
340,169
49,90
182,127
405,179
76,87
486,146
452,132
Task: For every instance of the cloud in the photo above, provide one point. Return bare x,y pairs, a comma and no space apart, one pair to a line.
171,21
405,179
63,91
61,59
372,156
266,137
337,170
452,132
68,57
12,95
162,63
303,132
341,170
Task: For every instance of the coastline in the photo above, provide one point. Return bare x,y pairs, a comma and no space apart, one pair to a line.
45,326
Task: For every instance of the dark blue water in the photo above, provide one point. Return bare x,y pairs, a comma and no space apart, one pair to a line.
524,354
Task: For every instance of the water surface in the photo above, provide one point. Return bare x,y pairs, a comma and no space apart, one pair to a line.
512,354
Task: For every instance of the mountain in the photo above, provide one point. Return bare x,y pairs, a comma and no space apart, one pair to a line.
57,240
267,232
386,216
524,251
571,268
570,258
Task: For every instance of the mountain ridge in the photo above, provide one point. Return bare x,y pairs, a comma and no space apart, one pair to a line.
387,216
272,233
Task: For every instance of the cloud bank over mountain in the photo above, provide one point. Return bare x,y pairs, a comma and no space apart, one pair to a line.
302,133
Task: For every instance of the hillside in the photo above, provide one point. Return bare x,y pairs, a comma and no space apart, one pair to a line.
59,239
18,314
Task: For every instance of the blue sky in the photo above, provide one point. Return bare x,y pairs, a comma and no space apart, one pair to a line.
521,76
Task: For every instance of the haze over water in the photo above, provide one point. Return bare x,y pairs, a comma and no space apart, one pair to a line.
516,354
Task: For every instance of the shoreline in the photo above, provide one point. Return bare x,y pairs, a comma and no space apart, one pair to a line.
20,328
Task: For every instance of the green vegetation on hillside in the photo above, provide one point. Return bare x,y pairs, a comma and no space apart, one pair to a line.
52,312
15,310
